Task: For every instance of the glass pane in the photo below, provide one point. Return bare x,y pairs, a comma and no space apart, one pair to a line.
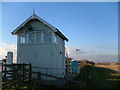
55,39
48,37
22,38
31,38
38,37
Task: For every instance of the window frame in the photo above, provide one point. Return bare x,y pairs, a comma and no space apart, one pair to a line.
52,36
47,39
22,36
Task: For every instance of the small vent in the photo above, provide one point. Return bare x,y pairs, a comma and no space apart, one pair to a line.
29,27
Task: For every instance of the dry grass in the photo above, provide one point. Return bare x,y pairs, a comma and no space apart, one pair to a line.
96,77
113,67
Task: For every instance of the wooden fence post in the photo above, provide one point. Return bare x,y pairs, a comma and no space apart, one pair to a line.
5,69
2,67
39,76
30,71
23,71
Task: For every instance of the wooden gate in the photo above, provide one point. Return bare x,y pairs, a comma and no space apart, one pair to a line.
14,74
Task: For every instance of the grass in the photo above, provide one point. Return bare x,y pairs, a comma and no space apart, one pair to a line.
89,77
96,77
113,67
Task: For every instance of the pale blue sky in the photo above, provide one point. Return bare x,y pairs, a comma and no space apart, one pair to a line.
90,26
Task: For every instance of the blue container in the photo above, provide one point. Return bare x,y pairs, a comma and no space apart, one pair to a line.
75,66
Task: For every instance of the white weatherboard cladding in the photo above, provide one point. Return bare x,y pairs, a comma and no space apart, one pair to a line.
44,55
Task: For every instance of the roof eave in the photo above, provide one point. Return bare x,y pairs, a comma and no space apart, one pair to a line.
61,35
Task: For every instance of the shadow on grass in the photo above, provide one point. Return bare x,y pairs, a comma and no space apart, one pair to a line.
96,77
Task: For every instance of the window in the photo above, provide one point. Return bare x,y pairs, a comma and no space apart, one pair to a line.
31,38
55,38
23,38
47,37
38,37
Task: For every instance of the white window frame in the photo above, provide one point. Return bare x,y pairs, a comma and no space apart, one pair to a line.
42,36
53,38
22,35
36,38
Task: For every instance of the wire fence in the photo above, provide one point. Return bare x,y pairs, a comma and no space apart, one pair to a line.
59,72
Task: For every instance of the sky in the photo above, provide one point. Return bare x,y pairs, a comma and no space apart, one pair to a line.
91,27
59,0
